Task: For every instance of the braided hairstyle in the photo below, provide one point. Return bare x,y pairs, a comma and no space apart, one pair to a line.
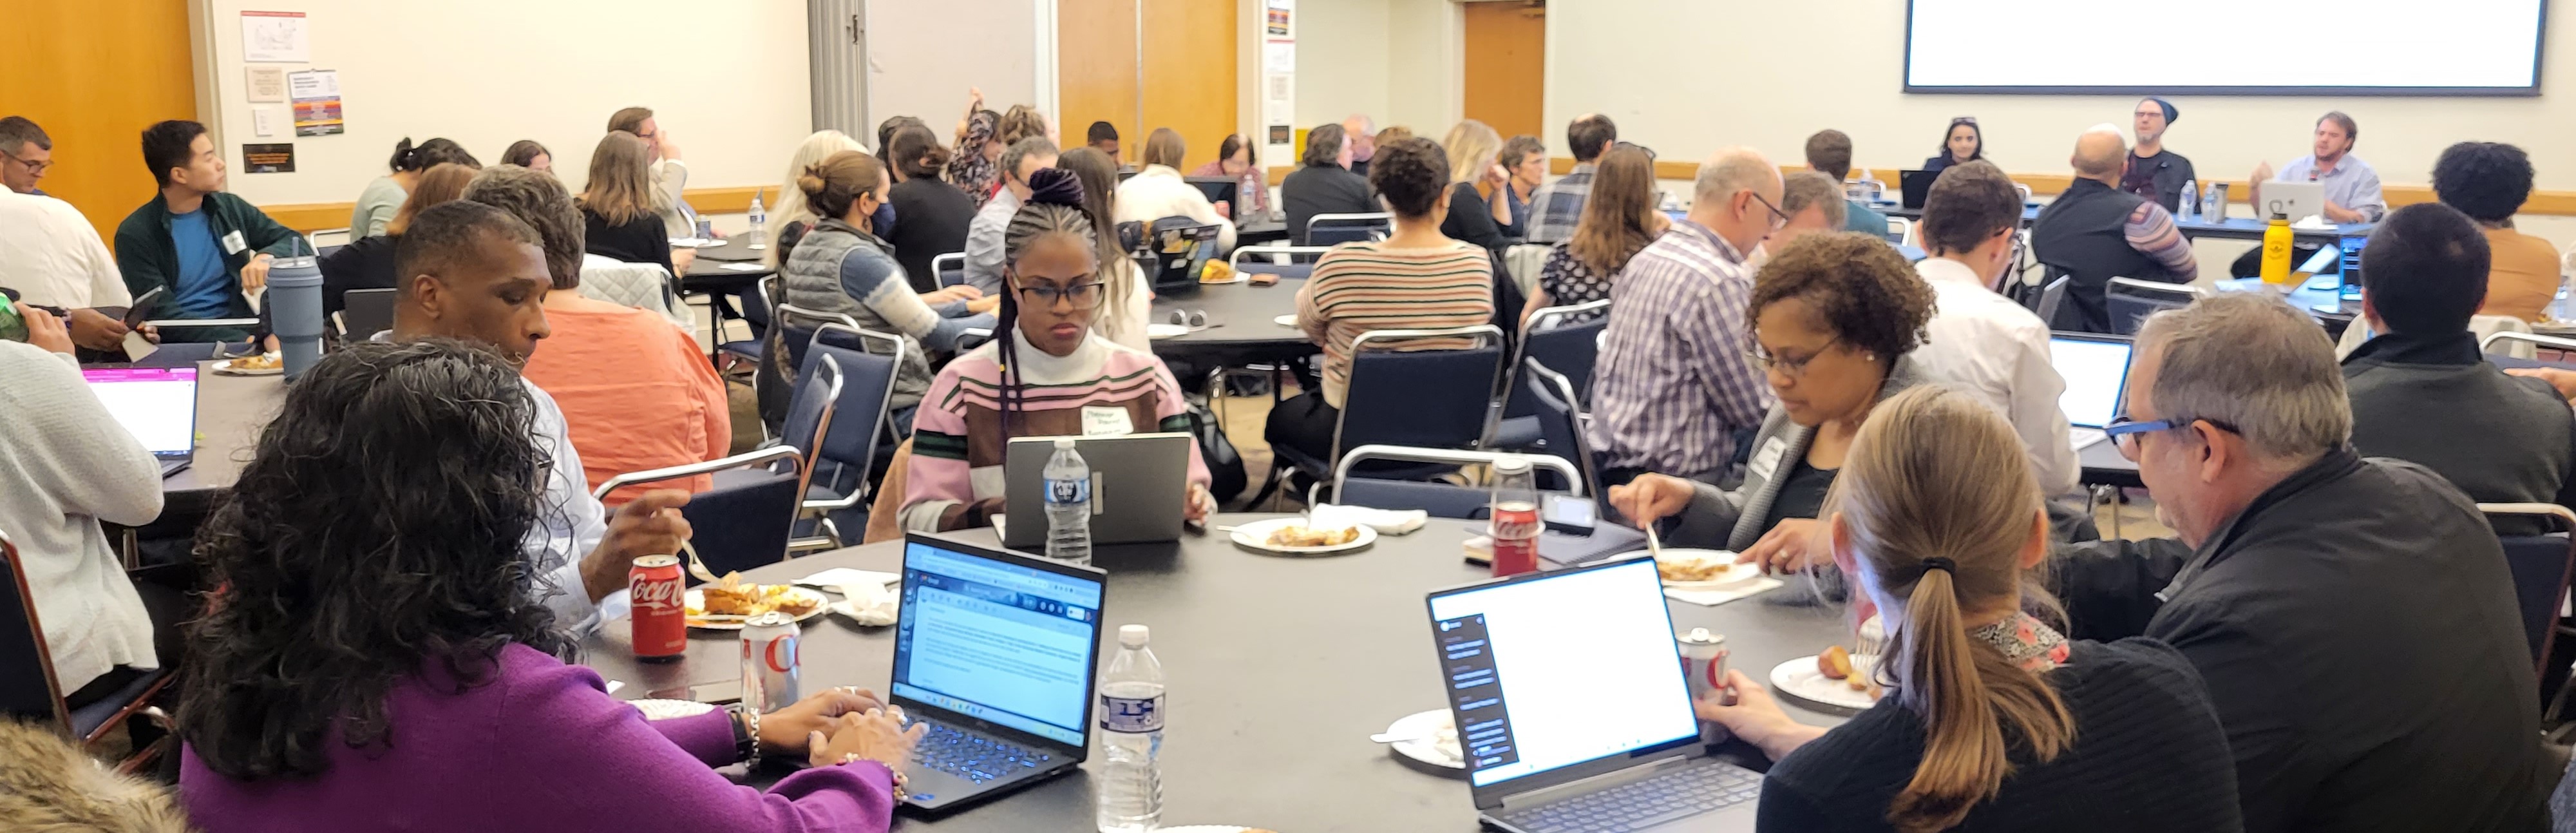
1054,207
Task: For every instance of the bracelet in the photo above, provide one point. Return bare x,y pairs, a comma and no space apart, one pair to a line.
902,785
746,734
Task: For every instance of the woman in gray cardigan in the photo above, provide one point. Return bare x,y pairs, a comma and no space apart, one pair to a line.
1833,317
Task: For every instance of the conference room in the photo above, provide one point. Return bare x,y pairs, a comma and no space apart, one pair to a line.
1233,416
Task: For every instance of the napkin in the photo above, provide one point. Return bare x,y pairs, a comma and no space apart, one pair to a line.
1713,598
1385,521
2312,222
838,578
865,597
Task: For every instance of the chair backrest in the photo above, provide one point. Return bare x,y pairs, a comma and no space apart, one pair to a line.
1442,500
743,522
28,689
2541,566
2528,344
2052,297
756,305
640,285
810,409
1569,349
2129,301
858,421
950,267
1900,231
1429,398
1561,420
366,312
1288,262
1335,229
797,325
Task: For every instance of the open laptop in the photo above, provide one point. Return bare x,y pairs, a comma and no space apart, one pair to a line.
1219,189
1585,728
158,405
1915,186
1139,485
2096,370
995,651
2295,200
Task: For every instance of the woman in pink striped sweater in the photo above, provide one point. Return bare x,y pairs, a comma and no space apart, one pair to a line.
1048,374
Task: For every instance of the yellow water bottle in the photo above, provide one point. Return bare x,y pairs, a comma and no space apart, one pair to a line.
2276,250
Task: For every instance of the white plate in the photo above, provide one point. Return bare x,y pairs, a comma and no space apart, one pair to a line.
1436,739
698,600
667,709
1735,573
1799,680
1166,330
1289,320
1256,536
226,367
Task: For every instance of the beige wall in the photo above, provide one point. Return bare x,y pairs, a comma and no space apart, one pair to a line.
1395,60
923,56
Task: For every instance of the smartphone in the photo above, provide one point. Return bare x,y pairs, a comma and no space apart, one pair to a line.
721,692
141,311
1568,514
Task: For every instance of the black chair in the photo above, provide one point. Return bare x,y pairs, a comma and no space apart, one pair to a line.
1568,348
1441,500
1299,262
950,267
364,313
755,312
1436,398
2129,301
2541,566
1561,422
847,456
29,690
1335,229
747,518
811,408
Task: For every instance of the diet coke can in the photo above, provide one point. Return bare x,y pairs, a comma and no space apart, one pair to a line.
660,618
770,642
1704,663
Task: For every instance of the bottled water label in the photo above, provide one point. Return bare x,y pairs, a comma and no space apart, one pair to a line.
1131,715
1073,491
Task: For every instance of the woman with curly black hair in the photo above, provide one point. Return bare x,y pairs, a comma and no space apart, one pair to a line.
1834,316
376,655
2489,181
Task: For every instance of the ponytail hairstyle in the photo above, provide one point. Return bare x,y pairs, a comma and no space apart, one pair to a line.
836,183
1055,207
1099,176
430,153
917,152
1936,506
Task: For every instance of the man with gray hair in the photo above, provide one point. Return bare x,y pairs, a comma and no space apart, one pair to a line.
1021,160
2353,618
2094,232
1814,203
1360,133
1674,384
25,153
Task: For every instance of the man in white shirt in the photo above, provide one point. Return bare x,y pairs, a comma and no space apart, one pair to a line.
1981,342
52,257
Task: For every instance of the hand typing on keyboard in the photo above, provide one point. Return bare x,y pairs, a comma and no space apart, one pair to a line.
875,735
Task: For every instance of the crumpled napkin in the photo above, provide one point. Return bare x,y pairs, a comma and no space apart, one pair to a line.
865,597
1385,521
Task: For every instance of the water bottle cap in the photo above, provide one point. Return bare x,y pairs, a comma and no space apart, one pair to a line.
1064,443
1511,463
1133,636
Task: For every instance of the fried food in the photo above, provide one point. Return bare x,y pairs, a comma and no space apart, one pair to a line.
1303,536
731,597
1835,663
1692,570
264,361
1216,271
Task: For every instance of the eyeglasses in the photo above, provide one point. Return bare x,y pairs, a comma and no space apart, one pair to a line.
1966,120
32,167
1779,220
1792,368
1081,295
2124,432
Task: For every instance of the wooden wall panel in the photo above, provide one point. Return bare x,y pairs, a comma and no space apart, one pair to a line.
93,74
1096,71
1505,65
1189,59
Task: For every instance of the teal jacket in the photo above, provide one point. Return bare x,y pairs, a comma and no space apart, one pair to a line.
149,260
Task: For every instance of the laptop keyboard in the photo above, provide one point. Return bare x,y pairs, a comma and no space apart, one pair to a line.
1637,805
973,757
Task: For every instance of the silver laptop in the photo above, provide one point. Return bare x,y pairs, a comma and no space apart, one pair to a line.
2096,370
158,405
996,652
1139,483
2295,200
1580,729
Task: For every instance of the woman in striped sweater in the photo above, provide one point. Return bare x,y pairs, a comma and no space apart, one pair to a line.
1417,279
1050,376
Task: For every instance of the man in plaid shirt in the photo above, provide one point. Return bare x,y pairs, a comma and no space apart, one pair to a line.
1558,206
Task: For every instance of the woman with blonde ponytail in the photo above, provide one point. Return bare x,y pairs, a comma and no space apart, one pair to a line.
1992,720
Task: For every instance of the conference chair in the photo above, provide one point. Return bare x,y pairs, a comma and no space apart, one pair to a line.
1287,262
2129,301
1441,500
1900,231
1561,421
2051,298
2527,346
1436,398
746,519
846,457
1570,348
1336,229
29,690
950,267
755,312
313,241
2541,566
364,313
811,407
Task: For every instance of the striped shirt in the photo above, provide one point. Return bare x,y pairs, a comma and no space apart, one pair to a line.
2151,231
1360,287
1674,382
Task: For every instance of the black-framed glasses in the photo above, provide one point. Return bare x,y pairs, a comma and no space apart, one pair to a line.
1081,295
1779,219
2124,432
1792,368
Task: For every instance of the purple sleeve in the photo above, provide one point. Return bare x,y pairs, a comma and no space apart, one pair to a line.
587,761
707,737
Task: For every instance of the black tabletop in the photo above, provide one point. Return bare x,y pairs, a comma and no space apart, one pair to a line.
1250,314
724,277
231,410
1260,231
1279,670
736,248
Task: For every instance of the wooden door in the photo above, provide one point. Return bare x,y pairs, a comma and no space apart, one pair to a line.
1189,60
93,74
1506,65
1095,50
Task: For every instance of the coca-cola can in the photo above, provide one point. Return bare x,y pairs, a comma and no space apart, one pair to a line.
661,618
770,642
1704,664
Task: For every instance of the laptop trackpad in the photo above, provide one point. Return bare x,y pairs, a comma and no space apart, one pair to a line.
1733,818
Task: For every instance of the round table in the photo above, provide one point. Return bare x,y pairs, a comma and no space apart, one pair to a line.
231,411
736,248
1280,669
1251,333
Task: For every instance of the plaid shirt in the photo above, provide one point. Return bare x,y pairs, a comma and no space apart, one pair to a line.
1674,381
1558,206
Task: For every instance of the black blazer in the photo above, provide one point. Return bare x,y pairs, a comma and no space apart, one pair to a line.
640,240
1471,219
1322,189
930,219
366,263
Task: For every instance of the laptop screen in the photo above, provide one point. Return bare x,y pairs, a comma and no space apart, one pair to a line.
158,405
2095,370
1571,667
2352,245
996,640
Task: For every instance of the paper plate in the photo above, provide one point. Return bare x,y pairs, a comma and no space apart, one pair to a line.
1289,320
667,709
1255,536
1435,743
698,599
1799,680
1166,330
1733,574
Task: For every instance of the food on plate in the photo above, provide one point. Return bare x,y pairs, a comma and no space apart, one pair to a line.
1835,663
1307,536
264,361
731,597
1694,569
1216,271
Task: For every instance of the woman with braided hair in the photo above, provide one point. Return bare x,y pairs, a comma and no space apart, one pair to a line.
1047,374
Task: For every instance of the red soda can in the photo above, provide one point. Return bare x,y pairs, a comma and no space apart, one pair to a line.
1516,525
1704,664
770,646
660,617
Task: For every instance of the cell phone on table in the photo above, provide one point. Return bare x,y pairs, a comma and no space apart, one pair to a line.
1568,514
719,693
141,311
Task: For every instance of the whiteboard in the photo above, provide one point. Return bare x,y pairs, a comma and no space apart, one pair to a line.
2290,47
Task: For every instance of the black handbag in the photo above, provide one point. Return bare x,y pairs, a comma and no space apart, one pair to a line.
1226,478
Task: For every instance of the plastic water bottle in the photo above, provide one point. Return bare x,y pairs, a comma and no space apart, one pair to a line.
1131,737
758,218
2189,206
1068,504
1870,181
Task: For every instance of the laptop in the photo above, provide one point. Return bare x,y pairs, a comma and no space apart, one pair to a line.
1139,485
1585,728
158,405
2296,200
1915,186
2096,370
995,652
1219,189
2352,245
